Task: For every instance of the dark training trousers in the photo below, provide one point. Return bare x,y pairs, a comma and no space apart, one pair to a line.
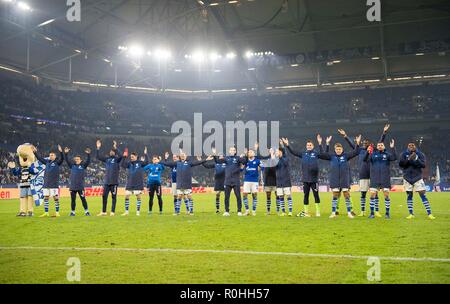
237,192
73,198
307,186
106,190
152,189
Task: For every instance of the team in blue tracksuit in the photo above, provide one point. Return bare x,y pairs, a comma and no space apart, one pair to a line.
184,180
219,180
310,175
412,162
76,180
51,179
232,180
135,179
154,172
380,176
112,163
339,174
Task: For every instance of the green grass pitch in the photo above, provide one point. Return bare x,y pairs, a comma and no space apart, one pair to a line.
205,230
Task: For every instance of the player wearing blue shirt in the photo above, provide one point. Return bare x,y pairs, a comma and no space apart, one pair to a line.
219,179
251,180
310,175
184,178
135,179
339,172
412,162
51,178
112,164
76,181
380,176
232,180
364,169
154,171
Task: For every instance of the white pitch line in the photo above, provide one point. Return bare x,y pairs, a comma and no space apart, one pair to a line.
298,254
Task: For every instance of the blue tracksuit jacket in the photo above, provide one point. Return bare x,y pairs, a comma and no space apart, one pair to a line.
77,173
135,177
184,171
380,173
412,169
232,169
112,167
340,169
51,175
310,164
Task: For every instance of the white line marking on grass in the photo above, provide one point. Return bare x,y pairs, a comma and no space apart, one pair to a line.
297,254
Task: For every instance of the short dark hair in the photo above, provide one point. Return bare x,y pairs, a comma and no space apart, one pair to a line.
156,156
134,153
338,145
309,141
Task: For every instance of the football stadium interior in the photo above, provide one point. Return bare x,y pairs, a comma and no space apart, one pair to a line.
126,70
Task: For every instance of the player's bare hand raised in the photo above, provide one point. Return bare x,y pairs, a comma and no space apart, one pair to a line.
342,132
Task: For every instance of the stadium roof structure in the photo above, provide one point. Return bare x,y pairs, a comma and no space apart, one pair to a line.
224,46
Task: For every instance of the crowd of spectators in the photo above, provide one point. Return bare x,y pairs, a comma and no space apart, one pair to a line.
46,117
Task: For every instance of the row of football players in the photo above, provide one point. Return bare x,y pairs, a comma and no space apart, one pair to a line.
374,174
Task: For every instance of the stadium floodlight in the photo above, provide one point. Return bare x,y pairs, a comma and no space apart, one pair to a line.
249,54
214,56
24,6
177,70
198,56
251,69
46,22
230,55
294,65
136,51
162,54
122,48
233,1
336,61
214,4
420,54
375,58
